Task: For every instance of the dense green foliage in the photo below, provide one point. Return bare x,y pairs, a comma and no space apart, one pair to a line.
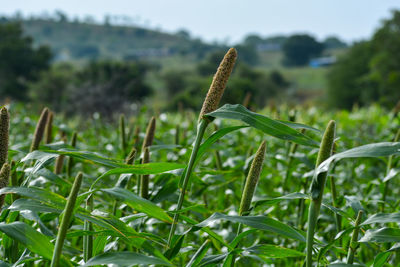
370,71
299,49
136,230
20,62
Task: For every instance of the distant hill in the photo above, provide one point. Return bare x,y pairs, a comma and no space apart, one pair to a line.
82,41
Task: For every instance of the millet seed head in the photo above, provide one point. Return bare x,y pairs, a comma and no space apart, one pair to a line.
49,129
4,135
218,84
326,147
130,159
252,179
39,131
150,131
4,178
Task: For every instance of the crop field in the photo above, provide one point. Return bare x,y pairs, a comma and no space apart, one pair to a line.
225,186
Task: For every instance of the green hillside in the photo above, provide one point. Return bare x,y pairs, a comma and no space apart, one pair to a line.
78,40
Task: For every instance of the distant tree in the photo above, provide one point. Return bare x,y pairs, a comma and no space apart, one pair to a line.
108,87
385,63
348,77
370,71
185,34
20,62
252,39
247,54
333,42
299,49
52,86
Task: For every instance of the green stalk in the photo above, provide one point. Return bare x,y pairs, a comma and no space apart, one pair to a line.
122,134
70,160
353,242
317,188
388,167
210,104
177,134
199,136
250,187
66,220
338,218
144,183
88,239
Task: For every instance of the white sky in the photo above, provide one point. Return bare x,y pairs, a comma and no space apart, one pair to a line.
230,21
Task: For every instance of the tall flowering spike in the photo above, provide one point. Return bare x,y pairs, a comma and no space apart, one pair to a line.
326,147
49,129
39,131
4,134
218,84
252,179
150,131
4,178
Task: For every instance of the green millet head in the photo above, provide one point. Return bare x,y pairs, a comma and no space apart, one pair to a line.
326,147
218,84
252,179
4,135
4,178
49,129
150,131
130,159
39,131
73,139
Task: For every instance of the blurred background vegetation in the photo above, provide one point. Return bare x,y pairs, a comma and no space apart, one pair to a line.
82,67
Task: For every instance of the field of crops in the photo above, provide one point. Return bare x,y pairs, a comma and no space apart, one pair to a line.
229,187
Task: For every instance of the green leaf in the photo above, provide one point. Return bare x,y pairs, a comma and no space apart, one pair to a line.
296,125
146,168
88,157
383,218
199,255
381,259
139,204
271,201
382,235
143,169
36,193
344,265
125,258
272,251
29,237
269,126
258,222
383,149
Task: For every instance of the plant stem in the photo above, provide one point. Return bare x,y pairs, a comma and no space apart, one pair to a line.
88,239
317,188
353,242
65,221
199,136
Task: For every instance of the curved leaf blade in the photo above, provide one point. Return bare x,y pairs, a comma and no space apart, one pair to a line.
269,126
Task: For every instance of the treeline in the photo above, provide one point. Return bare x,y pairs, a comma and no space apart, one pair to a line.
112,86
370,71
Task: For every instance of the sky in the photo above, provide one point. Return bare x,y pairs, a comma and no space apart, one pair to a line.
229,21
